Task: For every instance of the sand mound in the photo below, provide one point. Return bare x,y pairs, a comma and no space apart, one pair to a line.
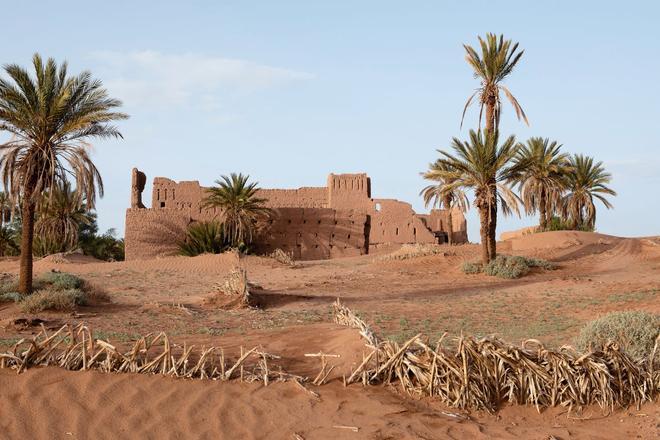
560,240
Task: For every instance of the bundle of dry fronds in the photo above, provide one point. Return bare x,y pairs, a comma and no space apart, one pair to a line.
234,291
345,316
74,348
484,373
283,257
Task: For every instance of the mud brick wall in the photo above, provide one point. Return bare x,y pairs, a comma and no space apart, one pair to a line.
311,223
152,233
315,233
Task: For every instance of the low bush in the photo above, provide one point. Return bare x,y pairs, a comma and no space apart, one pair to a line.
10,297
507,266
55,300
635,331
62,281
56,291
471,268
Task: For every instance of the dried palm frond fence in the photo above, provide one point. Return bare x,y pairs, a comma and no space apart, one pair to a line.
74,348
484,373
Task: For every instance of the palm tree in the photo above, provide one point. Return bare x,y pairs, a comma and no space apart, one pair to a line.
543,177
496,62
486,167
239,205
50,116
442,195
59,218
586,181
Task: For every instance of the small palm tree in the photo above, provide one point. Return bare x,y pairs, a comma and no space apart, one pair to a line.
6,208
497,60
486,167
60,216
240,207
7,241
443,195
543,177
586,181
51,117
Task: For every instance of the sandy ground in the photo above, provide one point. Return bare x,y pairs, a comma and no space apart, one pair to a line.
597,274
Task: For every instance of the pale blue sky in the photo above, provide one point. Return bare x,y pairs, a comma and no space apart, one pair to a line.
290,91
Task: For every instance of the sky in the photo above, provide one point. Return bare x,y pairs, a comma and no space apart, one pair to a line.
290,91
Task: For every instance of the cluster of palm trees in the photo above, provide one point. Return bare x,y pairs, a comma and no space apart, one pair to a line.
549,181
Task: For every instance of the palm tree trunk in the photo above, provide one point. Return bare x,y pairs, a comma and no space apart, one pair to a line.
450,231
492,233
484,230
544,211
492,226
27,237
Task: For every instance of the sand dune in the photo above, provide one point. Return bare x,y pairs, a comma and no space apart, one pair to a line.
597,273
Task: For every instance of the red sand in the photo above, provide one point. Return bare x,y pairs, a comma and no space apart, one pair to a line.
597,274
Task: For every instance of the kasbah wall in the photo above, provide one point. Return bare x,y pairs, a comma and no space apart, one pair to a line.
340,219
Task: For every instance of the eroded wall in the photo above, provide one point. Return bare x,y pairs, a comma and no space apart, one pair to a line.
310,223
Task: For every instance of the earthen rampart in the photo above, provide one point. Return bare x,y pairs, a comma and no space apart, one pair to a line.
340,219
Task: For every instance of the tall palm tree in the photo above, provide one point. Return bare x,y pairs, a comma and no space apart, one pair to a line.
586,181
51,116
497,60
442,195
543,177
486,167
59,218
239,205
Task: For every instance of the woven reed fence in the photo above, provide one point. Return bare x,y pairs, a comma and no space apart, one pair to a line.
485,373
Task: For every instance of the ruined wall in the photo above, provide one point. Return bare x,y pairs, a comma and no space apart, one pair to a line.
299,198
438,221
310,223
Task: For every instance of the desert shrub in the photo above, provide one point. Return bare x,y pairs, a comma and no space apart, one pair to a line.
470,267
10,297
204,238
8,284
55,300
635,331
508,267
62,281
541,263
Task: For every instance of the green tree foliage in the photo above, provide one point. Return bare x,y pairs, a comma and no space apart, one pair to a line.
204,238
240,208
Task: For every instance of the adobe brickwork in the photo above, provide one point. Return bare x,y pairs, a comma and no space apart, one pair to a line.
340,219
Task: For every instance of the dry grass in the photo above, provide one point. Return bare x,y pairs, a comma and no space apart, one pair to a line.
55,300
60,292
484,373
